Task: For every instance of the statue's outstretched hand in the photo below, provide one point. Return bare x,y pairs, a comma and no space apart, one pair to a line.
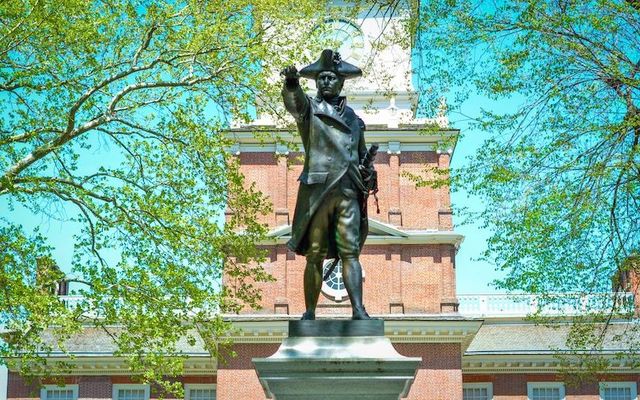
290,73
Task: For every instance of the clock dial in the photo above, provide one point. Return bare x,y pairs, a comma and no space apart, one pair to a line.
345,38
333,287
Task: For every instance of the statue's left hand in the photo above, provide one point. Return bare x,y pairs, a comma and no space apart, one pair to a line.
365,172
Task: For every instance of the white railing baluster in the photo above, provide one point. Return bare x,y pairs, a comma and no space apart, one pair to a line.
487,305
503,305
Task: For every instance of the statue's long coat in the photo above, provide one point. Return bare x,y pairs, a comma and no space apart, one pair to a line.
334,146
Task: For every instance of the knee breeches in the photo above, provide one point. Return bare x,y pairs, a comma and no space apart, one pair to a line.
337,222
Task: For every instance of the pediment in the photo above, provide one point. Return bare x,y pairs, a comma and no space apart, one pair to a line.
377,228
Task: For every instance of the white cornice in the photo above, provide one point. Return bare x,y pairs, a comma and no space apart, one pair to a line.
260,139
404,135
381,234
439,237
408,330
530,363
369,94
259,331
111,365
437,328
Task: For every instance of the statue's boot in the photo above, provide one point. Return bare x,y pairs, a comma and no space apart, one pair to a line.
352,275
360,314
308,316
312,287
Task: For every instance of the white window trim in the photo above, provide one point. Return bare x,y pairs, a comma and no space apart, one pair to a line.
118,386
189,386
4,377
43,391
540,385
628,384
480,385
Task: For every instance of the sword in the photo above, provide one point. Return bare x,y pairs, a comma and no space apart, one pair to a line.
331,268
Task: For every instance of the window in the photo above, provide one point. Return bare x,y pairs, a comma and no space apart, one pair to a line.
130,392
54,392
200,392
477,391
333,286
545,391
618,391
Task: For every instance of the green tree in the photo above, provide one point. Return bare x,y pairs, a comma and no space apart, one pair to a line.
156,83
560,172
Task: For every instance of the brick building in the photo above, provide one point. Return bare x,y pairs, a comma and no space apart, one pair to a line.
472,347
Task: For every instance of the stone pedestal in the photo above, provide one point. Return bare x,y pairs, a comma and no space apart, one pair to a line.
336,360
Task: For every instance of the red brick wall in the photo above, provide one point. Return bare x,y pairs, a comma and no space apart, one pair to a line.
95,387
89,387
401,203
237,378
633,286
256,167
419,206
409,279
18,388
439,376
514,386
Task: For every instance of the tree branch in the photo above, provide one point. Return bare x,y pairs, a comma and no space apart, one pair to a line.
45,149
153,85
23,137
145,43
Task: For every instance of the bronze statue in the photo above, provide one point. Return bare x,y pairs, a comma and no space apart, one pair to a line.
330,219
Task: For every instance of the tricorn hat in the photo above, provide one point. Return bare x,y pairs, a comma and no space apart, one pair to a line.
330,61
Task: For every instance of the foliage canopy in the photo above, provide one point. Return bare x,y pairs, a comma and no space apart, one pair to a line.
111,116
559,172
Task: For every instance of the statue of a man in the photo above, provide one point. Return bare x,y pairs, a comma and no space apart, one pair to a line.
330,218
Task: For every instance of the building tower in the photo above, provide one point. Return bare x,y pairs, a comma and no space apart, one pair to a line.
409,256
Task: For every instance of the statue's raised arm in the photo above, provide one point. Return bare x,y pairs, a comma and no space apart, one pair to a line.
295,101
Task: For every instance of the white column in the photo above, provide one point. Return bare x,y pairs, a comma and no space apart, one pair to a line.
4,374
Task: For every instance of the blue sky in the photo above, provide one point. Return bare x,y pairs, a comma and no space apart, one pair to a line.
472,275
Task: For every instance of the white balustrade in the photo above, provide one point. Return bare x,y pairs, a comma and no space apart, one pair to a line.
71,301
517,305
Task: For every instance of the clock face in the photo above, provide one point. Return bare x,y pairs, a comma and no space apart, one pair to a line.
333,287
345,38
